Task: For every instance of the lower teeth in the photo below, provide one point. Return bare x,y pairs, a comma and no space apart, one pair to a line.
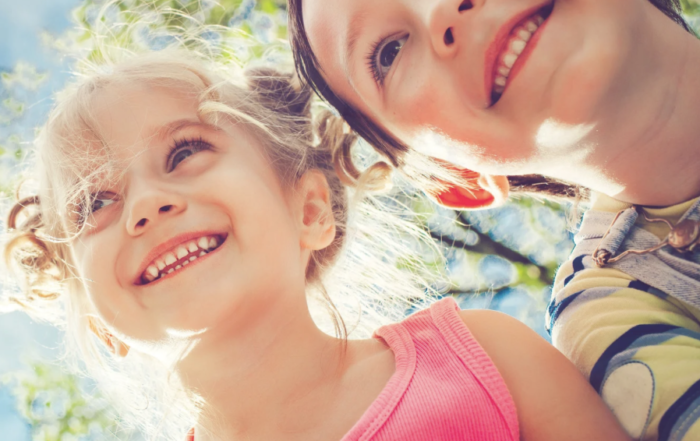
186,262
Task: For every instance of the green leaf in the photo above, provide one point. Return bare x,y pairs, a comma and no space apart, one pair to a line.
13,106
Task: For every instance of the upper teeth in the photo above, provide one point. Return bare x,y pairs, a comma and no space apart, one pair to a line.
178,257
517,41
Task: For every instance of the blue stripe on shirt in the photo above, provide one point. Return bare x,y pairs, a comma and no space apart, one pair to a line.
577,264
621,344
682,414
556,310
636,284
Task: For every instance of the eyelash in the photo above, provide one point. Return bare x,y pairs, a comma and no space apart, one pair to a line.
372,61
82,214
196,144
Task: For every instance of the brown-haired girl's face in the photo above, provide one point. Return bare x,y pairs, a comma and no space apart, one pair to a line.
196,230
497,76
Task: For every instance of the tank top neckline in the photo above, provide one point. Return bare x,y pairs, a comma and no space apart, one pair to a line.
400,343
397,338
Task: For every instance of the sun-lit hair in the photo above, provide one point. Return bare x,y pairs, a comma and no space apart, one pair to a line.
375,236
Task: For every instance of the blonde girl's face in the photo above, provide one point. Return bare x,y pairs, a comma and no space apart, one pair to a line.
194,233
497,76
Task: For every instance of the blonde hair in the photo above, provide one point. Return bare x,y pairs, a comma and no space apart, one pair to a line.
369,287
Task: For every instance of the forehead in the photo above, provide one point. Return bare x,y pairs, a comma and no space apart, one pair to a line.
323,24
130,118
99,138
327,24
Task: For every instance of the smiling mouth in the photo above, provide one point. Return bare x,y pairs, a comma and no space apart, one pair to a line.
180,256
515,44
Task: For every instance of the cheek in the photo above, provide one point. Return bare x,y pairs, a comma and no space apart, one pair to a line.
264,227
585,52
418,100
97,269
97,260
430,115
259,261
267,229
430,99
432,119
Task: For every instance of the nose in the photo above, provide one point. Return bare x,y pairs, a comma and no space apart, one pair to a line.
447,25
150,205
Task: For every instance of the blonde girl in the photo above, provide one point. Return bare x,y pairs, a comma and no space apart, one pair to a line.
182,219
549,96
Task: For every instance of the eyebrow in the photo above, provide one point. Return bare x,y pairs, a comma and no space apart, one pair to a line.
167,130
356,26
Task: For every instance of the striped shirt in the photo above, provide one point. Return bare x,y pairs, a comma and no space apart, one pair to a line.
638,345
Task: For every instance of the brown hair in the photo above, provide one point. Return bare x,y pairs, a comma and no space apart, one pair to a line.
393,149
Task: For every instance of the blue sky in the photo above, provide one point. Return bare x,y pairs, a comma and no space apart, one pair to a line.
21,22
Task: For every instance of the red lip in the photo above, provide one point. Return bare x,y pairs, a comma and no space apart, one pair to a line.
499,42
170,244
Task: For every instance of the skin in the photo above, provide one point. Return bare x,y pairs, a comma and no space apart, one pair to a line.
607,98
227,326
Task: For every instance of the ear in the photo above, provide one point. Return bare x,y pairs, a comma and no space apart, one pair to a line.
482,191
317,220
113,344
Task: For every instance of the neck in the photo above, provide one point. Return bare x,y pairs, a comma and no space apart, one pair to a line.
251,376
646,149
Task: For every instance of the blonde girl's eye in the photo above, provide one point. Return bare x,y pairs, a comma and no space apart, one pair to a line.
183,149
96,202
383,55
102,200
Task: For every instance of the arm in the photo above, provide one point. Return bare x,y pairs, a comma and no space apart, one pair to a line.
553,400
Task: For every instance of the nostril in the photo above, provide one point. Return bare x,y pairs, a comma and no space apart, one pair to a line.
449,38
165,208
141,223
465,6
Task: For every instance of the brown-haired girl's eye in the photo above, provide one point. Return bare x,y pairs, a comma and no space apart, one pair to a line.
383,56
389,53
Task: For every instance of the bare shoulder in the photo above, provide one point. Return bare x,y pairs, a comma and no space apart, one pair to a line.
480,318
518,352
507,340
552,398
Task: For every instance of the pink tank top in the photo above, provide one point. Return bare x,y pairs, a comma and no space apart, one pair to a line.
444,388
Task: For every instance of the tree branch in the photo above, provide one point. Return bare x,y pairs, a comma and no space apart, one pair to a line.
486,245
493,291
